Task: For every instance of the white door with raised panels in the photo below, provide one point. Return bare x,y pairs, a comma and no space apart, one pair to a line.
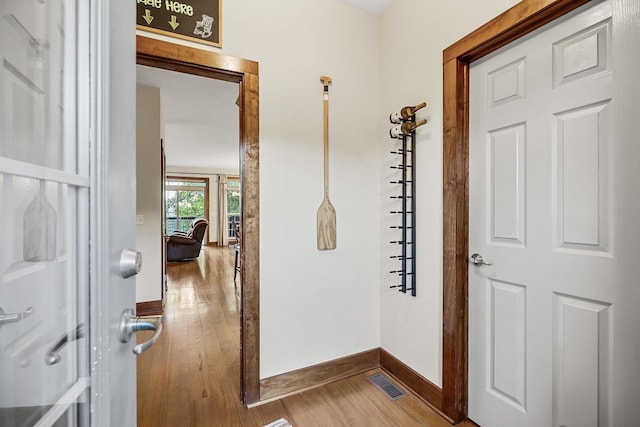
67,200
554,298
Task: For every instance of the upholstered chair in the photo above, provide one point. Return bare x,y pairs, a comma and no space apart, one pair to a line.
184,246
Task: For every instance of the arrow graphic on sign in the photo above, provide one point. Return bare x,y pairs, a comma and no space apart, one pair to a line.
147,16
174,24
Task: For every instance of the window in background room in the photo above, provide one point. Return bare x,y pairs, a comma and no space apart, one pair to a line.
186,199
233,204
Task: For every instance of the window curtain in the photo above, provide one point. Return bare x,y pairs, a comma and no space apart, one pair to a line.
223,218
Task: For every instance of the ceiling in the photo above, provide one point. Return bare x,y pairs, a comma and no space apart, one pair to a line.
372,6
201,119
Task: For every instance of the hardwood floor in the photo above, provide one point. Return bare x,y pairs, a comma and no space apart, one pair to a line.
191,376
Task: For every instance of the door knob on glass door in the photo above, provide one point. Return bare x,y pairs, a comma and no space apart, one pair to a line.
14,317
129,324
53,355
476,259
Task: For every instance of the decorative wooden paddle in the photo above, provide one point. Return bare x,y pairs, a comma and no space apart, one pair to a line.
326,211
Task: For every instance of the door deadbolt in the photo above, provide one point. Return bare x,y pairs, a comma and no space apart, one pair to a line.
130,262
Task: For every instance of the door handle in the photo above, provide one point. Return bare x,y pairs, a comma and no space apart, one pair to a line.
476,259
130,323
53,355
14,317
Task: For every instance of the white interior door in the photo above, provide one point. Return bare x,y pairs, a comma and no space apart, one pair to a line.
67,201
550,161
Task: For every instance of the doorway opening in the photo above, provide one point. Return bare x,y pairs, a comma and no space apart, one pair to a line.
169,56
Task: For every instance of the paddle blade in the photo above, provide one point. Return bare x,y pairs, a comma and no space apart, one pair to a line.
326,226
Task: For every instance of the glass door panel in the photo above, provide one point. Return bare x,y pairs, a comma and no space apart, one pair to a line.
44,189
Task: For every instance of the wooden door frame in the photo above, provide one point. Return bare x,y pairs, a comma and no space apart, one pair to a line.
175,57
526,16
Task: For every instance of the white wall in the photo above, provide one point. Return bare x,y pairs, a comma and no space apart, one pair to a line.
413,35
317,306
148,196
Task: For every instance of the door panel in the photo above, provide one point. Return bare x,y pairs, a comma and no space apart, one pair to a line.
581,178
44,361
67,161
544,129
506,342
582,353
506,183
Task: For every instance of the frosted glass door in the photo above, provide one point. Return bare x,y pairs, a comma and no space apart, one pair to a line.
44,190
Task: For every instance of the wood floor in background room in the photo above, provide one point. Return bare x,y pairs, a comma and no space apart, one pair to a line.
191,376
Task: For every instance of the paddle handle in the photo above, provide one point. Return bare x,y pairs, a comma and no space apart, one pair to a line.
326,211
326,81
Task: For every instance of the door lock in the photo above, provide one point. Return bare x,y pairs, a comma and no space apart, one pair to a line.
130,263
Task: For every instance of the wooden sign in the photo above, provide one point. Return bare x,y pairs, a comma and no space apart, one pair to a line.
195,20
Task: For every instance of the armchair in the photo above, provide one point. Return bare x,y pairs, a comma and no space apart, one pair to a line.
182,246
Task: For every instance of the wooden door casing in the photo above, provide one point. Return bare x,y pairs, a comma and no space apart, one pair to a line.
171,56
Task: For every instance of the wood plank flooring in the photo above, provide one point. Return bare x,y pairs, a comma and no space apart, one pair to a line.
191,376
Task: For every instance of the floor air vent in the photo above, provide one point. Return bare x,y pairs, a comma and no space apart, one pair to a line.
390,389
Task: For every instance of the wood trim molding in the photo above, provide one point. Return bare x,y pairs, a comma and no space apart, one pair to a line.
149,308
171,56
523,18
250,242
283,385
208,63
421,386
455,235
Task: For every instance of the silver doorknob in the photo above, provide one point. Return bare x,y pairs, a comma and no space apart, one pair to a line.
129,324
476,259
